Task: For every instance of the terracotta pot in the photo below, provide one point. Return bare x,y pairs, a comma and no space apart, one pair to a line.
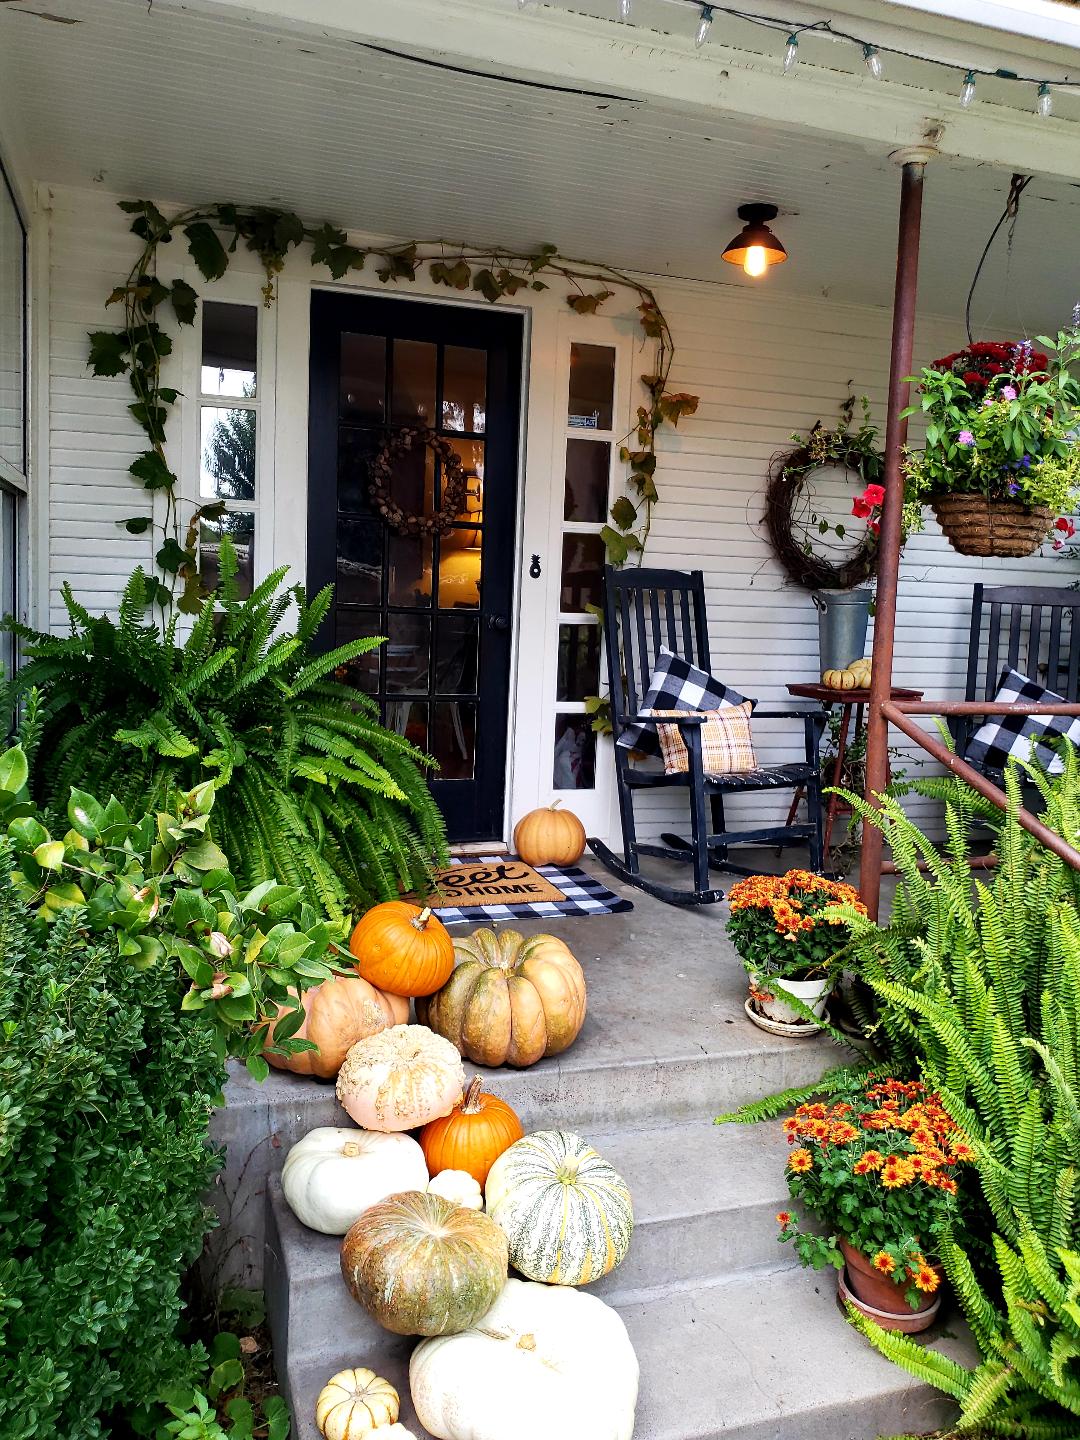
878,1297
974,525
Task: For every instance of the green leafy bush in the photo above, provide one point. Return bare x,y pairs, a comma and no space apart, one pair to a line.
311,789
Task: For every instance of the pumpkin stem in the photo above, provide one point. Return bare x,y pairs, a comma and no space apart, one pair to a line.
554,804
350,1148
471,1103
422,919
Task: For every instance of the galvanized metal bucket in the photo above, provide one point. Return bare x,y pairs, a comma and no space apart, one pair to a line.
842,619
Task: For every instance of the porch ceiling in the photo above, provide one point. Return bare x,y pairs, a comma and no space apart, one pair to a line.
188,106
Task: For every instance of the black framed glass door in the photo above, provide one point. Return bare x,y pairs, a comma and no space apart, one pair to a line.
444,601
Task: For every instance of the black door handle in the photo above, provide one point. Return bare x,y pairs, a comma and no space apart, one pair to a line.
498,622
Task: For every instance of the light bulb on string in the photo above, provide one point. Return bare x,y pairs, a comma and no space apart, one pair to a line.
1044,103
791,54
873,61
967,90
704,26
528,4
625,9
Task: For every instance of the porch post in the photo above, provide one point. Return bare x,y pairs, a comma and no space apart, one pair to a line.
913,161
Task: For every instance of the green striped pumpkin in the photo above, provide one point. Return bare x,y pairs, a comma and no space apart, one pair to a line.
566,1212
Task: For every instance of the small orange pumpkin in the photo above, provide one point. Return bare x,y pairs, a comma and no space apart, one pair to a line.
550,836
337,1014
472,1136
403,949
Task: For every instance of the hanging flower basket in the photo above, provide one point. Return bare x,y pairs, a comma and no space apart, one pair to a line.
975,525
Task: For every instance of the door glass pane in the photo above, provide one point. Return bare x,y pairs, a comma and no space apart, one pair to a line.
355,449
579,661
414,382
453,738
588,469
240,528
412,480
408,653
464,389
409,570
227,471
230,344
456,655
582,568
459,570
472,462
363,672
359,562
363,379
592,387
12,332
409,718
574,765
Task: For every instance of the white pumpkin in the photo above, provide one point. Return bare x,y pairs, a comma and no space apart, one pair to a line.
390,1432
356,1404
566,1212
541,1362
333,1174
459,1187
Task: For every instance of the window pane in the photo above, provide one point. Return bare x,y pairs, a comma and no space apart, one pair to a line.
592,387
359,562
456,652
574,765
410,570
414,382
409,718
363,672
579,661
459,570
12,332
464,405
412,480
230,345
355,449
582,569
588,471
363,378
453,739
240,528
408,653
228,453
472,462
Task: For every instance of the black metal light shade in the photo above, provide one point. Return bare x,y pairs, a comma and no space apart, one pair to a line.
755,247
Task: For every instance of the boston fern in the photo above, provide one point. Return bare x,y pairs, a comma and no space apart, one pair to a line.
312,790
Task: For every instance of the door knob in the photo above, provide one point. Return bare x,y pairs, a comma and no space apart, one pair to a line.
498,622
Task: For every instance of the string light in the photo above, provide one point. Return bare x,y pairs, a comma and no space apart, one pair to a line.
967,90
625,9
704,26
1044,104
873,61
791,53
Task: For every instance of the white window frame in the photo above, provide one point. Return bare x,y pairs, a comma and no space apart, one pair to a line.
15,481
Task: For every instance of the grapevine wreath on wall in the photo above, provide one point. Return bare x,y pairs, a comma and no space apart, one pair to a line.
790,518
454,482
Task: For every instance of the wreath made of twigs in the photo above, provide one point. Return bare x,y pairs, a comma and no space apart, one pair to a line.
454,482
788,474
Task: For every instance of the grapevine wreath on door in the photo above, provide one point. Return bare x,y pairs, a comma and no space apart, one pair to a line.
455,481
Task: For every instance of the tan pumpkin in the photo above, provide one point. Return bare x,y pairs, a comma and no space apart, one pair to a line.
472,1136
337,1014
421,1265
400,1079
550,836
511,999
401,948
354,1404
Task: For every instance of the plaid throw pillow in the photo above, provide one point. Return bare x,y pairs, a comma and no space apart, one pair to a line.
675,684
726,746
1005,735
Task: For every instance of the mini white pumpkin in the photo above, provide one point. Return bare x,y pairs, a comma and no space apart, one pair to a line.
333,1174
567,1213
542,1361
458,1186
356,1404
390,1432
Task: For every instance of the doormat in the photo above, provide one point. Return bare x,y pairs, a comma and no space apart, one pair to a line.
498,887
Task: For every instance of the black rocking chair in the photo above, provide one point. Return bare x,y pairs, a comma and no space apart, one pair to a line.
644,610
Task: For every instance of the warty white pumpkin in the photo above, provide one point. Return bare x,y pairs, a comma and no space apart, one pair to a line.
567,1213
458,1186
541,1362
333,1174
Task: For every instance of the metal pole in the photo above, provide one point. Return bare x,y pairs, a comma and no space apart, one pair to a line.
903,338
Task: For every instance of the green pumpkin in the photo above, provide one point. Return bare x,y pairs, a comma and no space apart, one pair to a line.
566,1212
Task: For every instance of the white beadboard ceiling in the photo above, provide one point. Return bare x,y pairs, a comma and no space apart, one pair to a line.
148,100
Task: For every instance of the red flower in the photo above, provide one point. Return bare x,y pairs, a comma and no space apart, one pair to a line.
861,507
874,525
875,494
1065,525
972,377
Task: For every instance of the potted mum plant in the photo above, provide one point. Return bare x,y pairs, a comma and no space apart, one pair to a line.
787,930
1000,460
877,1168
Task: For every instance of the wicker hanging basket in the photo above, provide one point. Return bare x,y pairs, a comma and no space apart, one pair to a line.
974,525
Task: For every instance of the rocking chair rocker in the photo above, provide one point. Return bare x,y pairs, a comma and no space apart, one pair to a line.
645,610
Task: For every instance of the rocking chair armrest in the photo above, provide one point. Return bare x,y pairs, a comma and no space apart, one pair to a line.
654,720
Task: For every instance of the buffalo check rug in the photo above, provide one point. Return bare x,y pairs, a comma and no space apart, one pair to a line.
499,887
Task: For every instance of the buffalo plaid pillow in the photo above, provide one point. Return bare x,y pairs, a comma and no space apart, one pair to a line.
675,684
1006,735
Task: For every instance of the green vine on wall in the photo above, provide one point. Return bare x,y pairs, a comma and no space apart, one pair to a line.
214,232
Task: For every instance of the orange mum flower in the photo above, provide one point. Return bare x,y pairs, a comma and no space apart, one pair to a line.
926,1279
791,1125
896,1172
872,1160
843,1133
800,1161
962,1152
784,1217
884,1263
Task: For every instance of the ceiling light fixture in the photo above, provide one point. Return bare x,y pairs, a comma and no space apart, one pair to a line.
755,247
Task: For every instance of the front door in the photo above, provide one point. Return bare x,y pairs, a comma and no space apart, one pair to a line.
443,600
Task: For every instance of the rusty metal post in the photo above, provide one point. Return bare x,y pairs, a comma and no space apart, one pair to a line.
903,339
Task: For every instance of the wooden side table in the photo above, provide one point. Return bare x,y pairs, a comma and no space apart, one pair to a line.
848,700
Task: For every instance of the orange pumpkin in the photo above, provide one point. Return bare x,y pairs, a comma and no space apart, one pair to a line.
550,836
403,949
472,1136
337,1014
